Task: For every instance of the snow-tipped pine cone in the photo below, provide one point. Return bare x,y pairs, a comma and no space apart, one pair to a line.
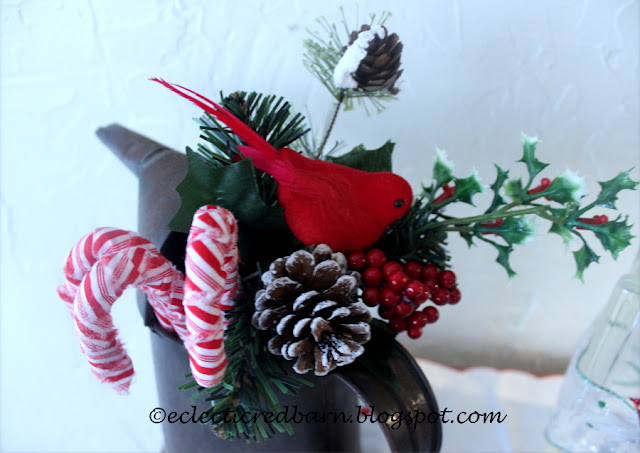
380,68
311,301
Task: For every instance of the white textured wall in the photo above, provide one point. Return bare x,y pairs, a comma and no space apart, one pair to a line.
477,74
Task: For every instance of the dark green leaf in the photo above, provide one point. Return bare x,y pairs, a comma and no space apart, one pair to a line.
513,189
584,257
466,188
503,256
501,177
564,232
567,188
609,192
467,237
367,160
514,230
534,166
233,187
442,170
614,235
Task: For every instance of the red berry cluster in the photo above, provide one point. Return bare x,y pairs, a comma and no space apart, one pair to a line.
399,289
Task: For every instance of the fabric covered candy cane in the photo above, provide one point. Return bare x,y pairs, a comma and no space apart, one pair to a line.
98,270
211,283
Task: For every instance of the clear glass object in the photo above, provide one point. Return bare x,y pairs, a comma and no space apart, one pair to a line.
598,408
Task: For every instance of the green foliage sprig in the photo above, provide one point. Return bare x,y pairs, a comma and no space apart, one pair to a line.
252,380
421,235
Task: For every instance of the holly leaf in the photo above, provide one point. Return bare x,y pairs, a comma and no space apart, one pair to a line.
610,189
614,235
233,187
513,189
534,166
564,232
442,169
503,258
466,188
367,160
503,255
467,237
584,257
501,177
566,188
514,230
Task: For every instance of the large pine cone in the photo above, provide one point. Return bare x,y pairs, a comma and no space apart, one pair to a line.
381,67
310,299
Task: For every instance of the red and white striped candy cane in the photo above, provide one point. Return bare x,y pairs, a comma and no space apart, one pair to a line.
211,283
87,251
98,270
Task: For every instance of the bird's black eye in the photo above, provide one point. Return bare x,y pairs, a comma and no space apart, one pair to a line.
399,203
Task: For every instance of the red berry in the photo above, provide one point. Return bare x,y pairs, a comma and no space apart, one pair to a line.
432,314
418,319
398,324
403,309
385,312
414,289
371,296
431,284
429,271
372,277
397,280
414,332
440,296
454,296
376,258
423,297
390,267
389,297
357,261
447,279
413,270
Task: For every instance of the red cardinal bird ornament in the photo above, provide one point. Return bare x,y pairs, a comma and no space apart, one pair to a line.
323,202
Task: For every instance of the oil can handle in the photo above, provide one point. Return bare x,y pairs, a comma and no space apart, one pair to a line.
401,390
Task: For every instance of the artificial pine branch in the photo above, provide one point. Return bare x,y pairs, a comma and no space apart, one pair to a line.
270,116
253,379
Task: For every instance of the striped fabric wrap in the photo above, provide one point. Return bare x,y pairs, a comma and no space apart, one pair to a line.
98,269
211,283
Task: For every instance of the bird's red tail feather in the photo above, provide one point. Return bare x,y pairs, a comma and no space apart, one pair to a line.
269,162
248,135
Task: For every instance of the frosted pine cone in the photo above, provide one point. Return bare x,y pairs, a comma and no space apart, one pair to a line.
380,68
311,301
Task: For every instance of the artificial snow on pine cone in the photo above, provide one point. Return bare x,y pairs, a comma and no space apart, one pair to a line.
371,62
311,301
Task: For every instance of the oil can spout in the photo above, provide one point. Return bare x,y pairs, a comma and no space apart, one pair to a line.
133,149
159,170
